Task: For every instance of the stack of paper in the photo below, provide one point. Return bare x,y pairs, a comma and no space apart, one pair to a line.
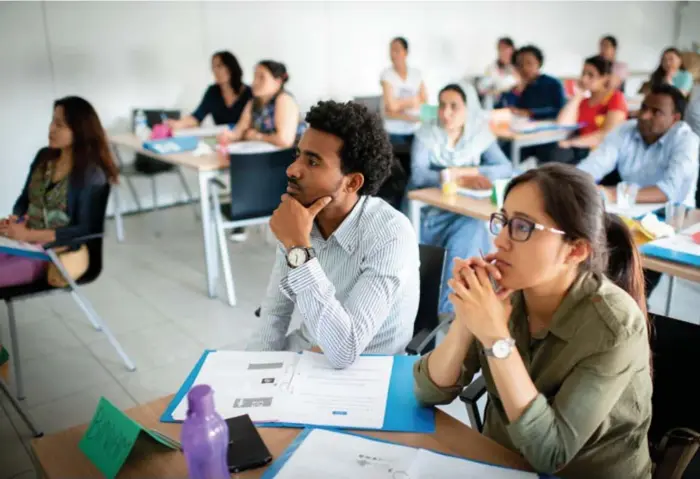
680,248
287,387
322,454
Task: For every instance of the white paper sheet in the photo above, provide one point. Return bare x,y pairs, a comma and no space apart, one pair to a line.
681,242
431,465
253,383
352,397
19,245
247,147
201,132
475,193
330,455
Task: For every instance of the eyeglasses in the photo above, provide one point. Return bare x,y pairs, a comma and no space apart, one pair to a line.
519,229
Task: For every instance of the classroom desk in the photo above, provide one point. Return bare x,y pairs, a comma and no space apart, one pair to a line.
58,455
519,141
207,168
482,209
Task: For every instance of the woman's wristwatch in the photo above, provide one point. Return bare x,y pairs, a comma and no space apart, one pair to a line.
501,348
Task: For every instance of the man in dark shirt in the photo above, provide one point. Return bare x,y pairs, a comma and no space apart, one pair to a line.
541,98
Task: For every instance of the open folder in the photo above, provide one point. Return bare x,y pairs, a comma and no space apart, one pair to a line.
287,389
322,454
680,248
18,248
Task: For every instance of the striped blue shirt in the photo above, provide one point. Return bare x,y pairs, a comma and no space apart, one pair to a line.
359,295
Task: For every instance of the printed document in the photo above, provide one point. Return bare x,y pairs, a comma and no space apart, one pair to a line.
333,455
296,388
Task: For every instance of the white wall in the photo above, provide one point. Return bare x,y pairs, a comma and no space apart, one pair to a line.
119,55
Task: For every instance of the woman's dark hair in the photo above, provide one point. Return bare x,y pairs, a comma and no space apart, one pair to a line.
659,75
603,66
277,70
455,88
234,69
612,40
507,41
402,41
573,201
90,147
530,49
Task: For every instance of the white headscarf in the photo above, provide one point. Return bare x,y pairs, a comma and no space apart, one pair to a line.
476,136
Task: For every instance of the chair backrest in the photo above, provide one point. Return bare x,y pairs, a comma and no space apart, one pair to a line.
97,225
372,103
432,262
258,180
675,349
154,116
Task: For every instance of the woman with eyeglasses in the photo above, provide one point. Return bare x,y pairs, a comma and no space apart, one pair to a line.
561,336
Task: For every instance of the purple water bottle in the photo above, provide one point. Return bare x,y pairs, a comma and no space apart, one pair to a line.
204,436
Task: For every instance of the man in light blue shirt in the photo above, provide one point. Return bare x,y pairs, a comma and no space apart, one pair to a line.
658,151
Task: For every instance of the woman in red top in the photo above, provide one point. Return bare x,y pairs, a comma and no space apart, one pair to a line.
595,104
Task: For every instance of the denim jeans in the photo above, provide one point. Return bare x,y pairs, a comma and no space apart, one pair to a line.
461,236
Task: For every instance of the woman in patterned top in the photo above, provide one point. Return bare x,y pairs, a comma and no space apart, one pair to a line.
59,194
273,114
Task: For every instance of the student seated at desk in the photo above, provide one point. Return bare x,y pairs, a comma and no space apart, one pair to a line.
461,145
672,72
595,104
225,99
403,93
619,74
347,261
658,152
58,197
542,97
563,343
273,114
501,76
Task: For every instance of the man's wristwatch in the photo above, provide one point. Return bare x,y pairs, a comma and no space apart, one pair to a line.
501,349
298,255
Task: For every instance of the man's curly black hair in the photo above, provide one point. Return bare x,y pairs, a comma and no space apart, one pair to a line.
366,147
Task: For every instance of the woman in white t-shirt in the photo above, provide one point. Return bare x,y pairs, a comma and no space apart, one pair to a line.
403,93
501,76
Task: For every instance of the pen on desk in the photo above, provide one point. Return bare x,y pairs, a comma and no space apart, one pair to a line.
494,284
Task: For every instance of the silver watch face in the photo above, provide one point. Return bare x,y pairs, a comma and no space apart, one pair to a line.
296,257
501,348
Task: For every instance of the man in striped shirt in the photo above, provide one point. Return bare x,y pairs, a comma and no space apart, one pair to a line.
347,261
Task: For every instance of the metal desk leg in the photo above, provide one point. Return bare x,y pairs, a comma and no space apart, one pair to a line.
515,153
207,231
669,295
118,220
414,207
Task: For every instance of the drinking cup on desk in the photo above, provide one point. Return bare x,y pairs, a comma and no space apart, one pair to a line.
626,194
448,182
676,214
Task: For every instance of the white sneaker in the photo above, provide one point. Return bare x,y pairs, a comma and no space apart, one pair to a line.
238,235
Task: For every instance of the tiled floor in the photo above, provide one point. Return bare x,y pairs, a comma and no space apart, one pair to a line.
152,296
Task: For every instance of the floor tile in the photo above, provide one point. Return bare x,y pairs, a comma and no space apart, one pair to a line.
54,376
147,385
148,348
79,408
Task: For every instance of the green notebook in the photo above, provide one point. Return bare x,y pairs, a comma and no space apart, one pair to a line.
111,437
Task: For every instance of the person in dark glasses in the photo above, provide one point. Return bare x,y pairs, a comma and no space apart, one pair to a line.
556,321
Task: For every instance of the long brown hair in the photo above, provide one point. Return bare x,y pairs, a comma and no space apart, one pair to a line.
573,201
90,145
